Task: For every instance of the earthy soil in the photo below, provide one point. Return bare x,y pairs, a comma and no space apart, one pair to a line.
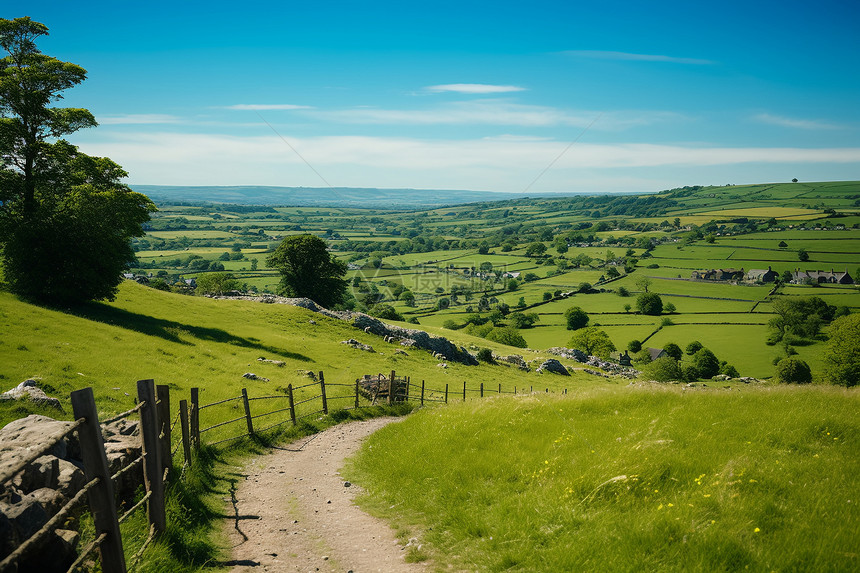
293,511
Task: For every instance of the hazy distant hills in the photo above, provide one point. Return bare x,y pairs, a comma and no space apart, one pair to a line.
319,196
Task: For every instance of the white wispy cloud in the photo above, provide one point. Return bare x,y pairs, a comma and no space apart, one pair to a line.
473,88
794,122
495,112
137,118
266,106
502,163
610,55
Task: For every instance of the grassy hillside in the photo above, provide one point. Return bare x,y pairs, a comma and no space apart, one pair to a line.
647,477
195,341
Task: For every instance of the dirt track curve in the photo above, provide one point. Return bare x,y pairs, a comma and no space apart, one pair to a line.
294,513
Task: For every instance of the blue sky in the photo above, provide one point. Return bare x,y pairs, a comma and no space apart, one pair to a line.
498,96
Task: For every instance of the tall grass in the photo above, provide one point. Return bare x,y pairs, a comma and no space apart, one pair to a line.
646,478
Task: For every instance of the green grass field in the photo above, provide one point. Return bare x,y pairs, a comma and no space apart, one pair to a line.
613,478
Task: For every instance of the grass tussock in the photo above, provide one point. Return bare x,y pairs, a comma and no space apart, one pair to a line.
648,478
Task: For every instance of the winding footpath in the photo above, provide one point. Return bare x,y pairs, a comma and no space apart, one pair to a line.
293,511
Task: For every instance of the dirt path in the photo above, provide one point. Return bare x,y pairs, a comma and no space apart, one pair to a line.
294,512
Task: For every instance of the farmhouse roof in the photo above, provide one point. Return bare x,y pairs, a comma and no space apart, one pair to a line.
831,276
656,353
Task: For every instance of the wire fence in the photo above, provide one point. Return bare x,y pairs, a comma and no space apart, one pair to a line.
159,443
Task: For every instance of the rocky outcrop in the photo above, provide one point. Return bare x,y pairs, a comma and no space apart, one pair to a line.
595,361
372,325
29,390
35,494
357,345
514,359
554,366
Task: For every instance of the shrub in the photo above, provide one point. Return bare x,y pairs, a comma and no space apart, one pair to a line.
450,325
673,350
693,347
793,371
547,296
576,318
387,312
706,362
649,303
634,346
842,355
592,341
690,373
729,370
413,320
669,308
506,335
665,369
486,355
622,291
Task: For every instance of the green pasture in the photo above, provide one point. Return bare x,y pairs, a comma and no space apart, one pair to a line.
622,478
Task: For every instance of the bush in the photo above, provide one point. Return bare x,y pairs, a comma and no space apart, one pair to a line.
729,370
690,373
451,325
634,346
547,296
693,347
592,341
507,335
576,318
649,303
486,355
706,362
386,312
413,320
668,308
842,355
665,369
622,291
793,371
673,350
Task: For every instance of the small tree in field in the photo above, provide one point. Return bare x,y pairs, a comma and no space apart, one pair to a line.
216,283
308,270
793,371
592,341
649,303
576,318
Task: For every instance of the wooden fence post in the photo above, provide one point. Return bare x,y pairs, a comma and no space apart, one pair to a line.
422,392
183,423
500,388
247,404
446,393
515,390
464,390
292,404
322,389
101,499
408,383
152,473
356,393
162,392
391,388
195,417
482,389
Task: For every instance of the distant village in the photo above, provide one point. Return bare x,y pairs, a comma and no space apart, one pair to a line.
769,275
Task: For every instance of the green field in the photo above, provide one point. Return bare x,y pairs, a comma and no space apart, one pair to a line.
613,478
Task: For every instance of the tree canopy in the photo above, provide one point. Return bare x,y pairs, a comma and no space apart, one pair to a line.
649,303
66,219
842,356
576,318
308,270
592,341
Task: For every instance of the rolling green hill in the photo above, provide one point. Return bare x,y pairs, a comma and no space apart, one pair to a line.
200,342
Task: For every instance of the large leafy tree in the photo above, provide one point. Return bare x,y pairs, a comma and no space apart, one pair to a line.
308,270
65,217
592,341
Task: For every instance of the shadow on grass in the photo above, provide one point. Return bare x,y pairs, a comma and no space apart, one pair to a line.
170,330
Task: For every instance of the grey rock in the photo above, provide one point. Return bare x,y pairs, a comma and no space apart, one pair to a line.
554,366
29,390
